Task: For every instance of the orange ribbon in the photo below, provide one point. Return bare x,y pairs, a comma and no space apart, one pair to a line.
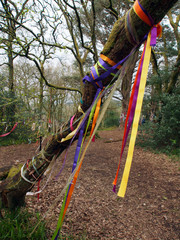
109,61
95,116
141,14
145,18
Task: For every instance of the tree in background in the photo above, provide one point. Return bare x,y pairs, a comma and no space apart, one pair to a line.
42,24
10,13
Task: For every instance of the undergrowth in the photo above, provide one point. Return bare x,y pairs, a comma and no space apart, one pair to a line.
22,134
151,137
20,223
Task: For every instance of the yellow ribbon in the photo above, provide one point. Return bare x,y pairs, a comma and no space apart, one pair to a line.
71,134
142,85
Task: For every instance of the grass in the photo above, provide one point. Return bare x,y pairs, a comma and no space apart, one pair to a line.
18,225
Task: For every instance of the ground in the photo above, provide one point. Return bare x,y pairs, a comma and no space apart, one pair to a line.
149,211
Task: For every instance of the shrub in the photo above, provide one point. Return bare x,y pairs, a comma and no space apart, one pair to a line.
164,132
22,134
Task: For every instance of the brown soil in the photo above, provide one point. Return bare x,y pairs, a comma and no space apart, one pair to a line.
149,211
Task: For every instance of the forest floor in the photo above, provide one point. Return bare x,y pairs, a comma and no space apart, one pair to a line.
149,211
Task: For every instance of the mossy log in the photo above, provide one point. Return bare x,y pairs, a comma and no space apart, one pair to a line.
14,187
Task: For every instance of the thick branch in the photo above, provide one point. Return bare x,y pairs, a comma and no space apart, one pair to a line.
116,48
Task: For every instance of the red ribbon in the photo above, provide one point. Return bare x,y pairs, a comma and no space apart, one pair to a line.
38,188
6,134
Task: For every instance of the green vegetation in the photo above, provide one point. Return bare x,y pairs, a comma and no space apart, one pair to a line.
19,224
112,116
162,133
22,134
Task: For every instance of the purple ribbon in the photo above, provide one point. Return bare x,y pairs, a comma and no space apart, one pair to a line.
83,121
153,36
81,129
133,107
111,69
78,147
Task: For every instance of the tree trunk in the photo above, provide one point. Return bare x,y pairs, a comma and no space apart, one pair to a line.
174,75
11,108
14,188
41,93
126,84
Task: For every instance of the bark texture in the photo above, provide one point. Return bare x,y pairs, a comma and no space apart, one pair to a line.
14,188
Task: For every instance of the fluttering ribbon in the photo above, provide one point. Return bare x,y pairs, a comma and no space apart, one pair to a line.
145,67
95,78
71,123
77,169
130,114
38,188
6,134
95,117
95,108
71,186
136,103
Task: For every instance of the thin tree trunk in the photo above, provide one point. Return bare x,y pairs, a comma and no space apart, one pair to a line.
174,75
14,188
41,93
11,108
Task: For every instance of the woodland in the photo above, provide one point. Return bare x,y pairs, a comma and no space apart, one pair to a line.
46,49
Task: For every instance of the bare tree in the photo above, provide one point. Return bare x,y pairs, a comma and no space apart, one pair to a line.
10,12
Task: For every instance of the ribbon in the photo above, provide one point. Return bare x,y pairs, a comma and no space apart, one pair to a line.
71,186
130,114
67,200
141,12
73,134
110,69
78,148
109,61
77,169
155,31
95,116
38,188
102,63
71,123
6,134
126,172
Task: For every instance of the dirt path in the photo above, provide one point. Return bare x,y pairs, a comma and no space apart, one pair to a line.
149,211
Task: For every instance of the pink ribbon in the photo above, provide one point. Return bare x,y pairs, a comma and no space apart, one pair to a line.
71,123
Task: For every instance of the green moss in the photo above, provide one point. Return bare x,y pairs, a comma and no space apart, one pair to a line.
112,37
14,170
